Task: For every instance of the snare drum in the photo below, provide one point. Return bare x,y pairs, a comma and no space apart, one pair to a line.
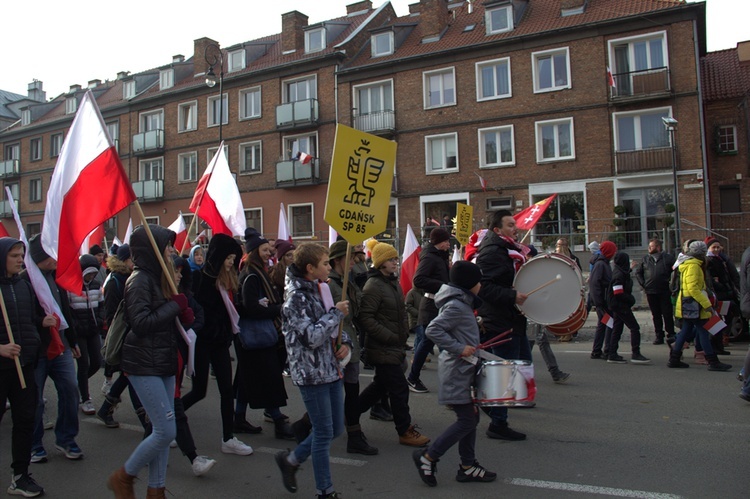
556,302
505,383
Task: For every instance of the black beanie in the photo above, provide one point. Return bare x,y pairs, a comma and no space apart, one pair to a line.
35,249
123,252
465,274
438,235
253,239
96,250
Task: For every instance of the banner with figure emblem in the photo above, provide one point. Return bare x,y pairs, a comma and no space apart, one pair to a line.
464,221
359,189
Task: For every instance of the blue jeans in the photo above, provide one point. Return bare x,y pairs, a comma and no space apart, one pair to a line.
325,406
418,336
691,328
63,373
157,395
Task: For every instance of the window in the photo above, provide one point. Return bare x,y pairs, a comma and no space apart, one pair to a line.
25,117
382,44
13,151
187,167
14,191
299,90
554,140
439,88
254,219
250,157
128,90
56,142
641,130
153,120
301,220
315,40
71,105
293,146
441,153
166,79
551,70
36,149
35,190
236,60
375,98
729,196
496,147
639,53
250,106
113,128
33,229
499,20
726,139
187,116
493,79
152,220
151,169
211,152
218,107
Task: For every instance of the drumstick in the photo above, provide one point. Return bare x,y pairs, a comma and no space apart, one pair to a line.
557,278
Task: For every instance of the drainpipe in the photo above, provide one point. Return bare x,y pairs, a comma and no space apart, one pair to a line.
706,183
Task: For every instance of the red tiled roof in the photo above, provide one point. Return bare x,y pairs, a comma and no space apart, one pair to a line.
722,75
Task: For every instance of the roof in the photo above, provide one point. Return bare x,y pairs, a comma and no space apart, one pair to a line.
723,76
8,98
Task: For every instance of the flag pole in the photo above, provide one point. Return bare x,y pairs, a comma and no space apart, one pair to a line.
155,246
11,340
345,287
192,223
526,235
200,199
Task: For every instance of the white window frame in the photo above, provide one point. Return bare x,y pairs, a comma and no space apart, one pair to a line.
142,168
192,108
243,167
113,126
211,151
488,14
535,56
374,39
71,105
733,129
166,79
312,92
225,111
638,138
236,60
430,168
255,113
152,220
56,142
35,193
258,209
631,41
26,117
13,151
540,145
428,90
309,37
481,142
290,219
40,144
493,63
181,170
458,197
128,90
383,87
142,117
291,145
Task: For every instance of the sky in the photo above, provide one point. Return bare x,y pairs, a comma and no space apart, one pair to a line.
63,44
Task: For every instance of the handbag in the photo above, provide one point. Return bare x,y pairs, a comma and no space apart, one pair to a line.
257,333
112,348
691,309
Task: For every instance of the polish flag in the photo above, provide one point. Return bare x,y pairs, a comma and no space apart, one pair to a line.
304,158
456,254
527,219
610,78
722,307
473,247
332,235
409,260
179,228
95,237
199,238
482,182
128,232
608,321
618,289
88,187
3,232
714,325
218,198
283,225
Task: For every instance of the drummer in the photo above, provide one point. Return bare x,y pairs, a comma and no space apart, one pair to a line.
499,257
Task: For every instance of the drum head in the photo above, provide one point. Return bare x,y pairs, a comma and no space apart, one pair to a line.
557,301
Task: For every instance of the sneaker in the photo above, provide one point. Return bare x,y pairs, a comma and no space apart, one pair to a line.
202,464
378,413
48,425
106,386
504,432
637,358
25,486
658,341
39,456
72,452
475,473
425,467
173,444
287,470
234,446
413,438
616,359
268,419
560,377
87,407
596,355
740,377
719,366
416,386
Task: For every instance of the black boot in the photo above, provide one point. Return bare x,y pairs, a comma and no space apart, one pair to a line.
241,425
357,443
302,428
283,430
674,360
107,410
715,365
504,432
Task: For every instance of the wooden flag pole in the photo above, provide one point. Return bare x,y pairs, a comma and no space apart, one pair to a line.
155,246
187,235
345,287
525,236
11,340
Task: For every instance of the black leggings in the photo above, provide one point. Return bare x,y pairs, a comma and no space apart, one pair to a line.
89,362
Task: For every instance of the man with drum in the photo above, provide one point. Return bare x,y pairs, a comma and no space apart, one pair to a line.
499,258
653,274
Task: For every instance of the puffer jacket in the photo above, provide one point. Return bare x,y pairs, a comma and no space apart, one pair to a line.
308,330
432,272
693,284
150,347
382,314
498,309
354,295
89,305
453,329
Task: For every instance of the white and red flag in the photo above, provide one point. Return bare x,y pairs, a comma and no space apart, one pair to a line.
3,232
527,219
179,228
618,289
482,181
95,237
722,307
283,225
200,238
608,321
88,187
714,324
219,198
304,158
128,232
611,78
332,235
456,254
409,260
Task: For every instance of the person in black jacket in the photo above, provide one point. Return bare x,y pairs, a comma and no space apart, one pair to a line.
600,279
654,274
20,302
620,302
725,286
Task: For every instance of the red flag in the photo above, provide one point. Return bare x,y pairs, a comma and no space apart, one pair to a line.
528,218
95,237
610,78
409,260
88,187
179,228
3,232
482,181
473,247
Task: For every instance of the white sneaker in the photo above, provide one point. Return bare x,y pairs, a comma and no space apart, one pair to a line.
202,464
106,386
234,446
87,407
173,444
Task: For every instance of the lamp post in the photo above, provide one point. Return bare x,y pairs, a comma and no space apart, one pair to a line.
671,125
211,60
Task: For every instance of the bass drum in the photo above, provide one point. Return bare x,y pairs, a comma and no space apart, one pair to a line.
573,324
556,302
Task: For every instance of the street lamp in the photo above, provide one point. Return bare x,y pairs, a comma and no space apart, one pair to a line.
212,59
671,125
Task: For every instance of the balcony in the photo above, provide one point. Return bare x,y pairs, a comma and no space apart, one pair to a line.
292,173
10,168
640,85
5,209
148,142
297,114
379,123
643,160
149,190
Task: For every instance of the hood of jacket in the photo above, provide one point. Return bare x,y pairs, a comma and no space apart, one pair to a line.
220,247
191,258
6,243
622,261
142,252
450,292
598,257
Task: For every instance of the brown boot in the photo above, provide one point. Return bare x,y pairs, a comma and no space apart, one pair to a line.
413,438
121,484
158,493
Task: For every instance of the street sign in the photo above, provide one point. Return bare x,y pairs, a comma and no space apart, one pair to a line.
464,217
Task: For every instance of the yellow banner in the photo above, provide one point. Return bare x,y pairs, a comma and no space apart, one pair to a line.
359,189
464,218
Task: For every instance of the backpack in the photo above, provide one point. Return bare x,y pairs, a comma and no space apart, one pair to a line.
112,348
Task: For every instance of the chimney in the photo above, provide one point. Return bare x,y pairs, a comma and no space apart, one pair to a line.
199,55
74,89
122,75
94,83
178,58
292,34
743,51
414,9
358,7
435,17
35,91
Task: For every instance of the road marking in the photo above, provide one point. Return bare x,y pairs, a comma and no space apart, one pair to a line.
338,460
124,426
588,489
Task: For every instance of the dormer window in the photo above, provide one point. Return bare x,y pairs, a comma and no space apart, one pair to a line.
71,105
236,60
128,90
315,40
499,20
382,44
26,117
166,79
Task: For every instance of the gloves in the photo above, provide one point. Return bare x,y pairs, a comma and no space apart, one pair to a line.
180,300
187,317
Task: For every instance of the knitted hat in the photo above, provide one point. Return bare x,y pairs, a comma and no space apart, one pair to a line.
35,249
283,247
253,239
438,235
123,252
371,244
608,249
113,249
697,249
710,240
381,253
337,250
96,250
465,274
593,246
